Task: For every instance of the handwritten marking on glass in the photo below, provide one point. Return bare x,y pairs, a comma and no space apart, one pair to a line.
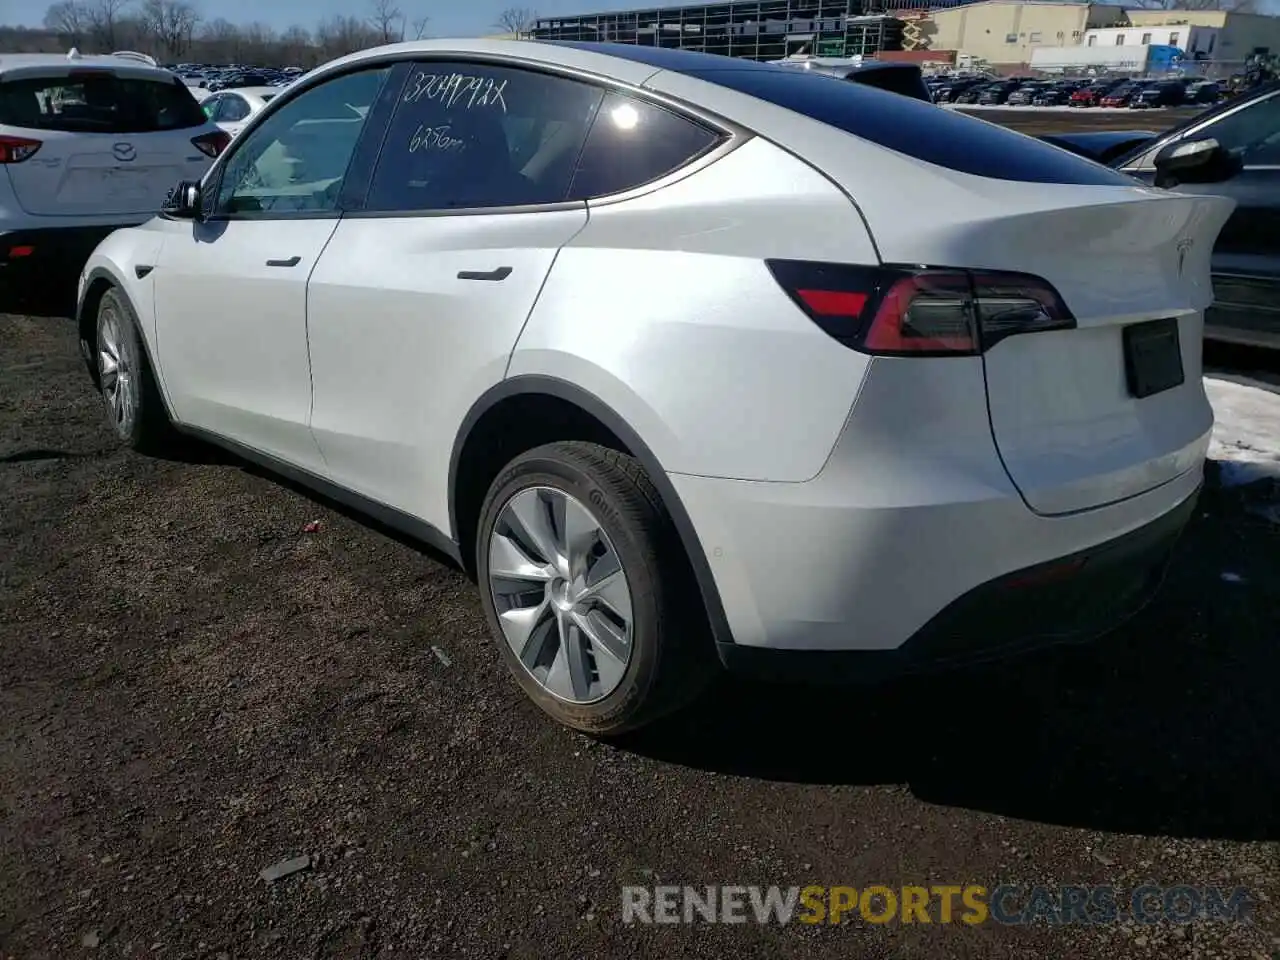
457,89
434,138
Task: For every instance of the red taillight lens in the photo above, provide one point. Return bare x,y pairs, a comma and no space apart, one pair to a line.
17,149
212,144
901,311
924,313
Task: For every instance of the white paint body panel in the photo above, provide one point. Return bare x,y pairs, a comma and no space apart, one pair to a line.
401,348
1069,433
231,332
663,308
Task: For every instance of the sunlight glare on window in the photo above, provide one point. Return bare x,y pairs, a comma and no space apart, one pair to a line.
625,117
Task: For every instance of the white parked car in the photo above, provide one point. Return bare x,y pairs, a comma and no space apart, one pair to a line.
87,144
685,358
231,110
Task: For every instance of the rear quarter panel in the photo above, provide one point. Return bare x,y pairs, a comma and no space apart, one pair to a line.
664,309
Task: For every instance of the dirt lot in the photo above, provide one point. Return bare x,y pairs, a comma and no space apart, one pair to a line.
196,684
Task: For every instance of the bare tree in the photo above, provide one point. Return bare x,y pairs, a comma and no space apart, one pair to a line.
69,19
103,20
419,27
340,35
170,25
518,21
387,21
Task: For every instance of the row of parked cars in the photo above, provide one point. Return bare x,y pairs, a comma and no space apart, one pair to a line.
213,78
1079,92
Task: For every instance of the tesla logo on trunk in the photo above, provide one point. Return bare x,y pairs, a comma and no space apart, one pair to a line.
1184,247
124,152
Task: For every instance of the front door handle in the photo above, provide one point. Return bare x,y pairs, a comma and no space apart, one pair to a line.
291,262
500,274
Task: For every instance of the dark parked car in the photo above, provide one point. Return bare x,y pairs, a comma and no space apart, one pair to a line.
972,94
1170,93
1231,150
1204,91
950,92
1123,95
998,93
1025,94
1055,95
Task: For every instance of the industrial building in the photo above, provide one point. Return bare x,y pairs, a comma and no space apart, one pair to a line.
1001,34
1004,33
755,30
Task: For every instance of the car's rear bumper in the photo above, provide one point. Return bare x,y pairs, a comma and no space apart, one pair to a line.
1073,598
44,263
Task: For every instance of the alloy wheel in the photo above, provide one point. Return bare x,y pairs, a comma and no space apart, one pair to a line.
116,371
561,594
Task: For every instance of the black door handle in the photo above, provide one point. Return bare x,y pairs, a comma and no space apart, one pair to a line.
500,274
291,262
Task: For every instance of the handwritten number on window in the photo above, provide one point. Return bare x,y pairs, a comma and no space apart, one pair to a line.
457,89
434,138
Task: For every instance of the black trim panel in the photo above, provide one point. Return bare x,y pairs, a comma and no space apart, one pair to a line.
563,390
410,526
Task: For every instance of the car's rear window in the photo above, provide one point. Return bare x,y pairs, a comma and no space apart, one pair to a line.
917,129
98,102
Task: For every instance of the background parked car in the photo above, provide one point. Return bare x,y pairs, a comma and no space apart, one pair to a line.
1204,92
998,93
1091,94
232,109
1025,94
1124,94
1056,94
87,144
1246,258
1167,93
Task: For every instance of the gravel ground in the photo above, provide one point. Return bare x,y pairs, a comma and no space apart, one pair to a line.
204,673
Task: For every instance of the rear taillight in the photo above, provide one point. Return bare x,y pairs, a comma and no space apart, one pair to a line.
212,144
17,149
912,311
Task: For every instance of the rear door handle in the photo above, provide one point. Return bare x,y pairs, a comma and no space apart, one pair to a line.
291,262
500,274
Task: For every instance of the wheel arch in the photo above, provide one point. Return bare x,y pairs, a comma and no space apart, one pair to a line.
472,437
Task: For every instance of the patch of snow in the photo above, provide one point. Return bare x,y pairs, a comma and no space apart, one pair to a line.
1246,434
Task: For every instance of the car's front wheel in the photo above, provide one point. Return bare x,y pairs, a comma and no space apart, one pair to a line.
134,405
587,590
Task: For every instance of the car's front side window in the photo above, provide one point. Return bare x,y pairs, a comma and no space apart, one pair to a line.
474,135
297,159
1253,133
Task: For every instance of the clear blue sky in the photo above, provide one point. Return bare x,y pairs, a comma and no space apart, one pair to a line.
449,18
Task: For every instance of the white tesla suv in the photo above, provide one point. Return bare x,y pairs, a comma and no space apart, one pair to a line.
686,359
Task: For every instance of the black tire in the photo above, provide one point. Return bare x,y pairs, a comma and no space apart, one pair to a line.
146,427
672,655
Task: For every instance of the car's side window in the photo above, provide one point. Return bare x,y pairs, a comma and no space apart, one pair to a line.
234,109
472,135
212,107
1253,132
633,143
296,161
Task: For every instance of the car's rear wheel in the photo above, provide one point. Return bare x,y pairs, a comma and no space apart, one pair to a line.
587,591
135,408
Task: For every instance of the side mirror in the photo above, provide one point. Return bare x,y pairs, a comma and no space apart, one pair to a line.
183,202
1195,161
